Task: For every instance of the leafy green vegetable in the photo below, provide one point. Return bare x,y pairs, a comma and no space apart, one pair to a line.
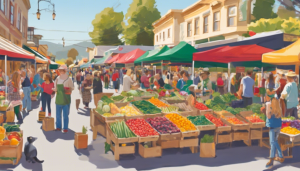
168,87
117,98
239,110
261,116
146,107
231,110
11,128
106,147
121,130
215,94
199,120
255,107
133,93
207,139
107,100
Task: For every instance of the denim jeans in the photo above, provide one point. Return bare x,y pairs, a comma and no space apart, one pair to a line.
65,109
273,135
26,100
46,100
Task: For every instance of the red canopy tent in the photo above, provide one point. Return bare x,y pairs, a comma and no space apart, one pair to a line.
228,54
130,57
115,58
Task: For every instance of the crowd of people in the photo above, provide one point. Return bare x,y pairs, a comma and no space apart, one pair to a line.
280,97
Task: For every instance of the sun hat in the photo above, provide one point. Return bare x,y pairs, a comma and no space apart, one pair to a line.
63,67
205,71
291,74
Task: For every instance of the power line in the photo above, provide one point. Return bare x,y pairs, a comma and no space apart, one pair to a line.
62,30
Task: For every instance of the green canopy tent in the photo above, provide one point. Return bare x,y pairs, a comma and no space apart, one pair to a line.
182,53
151,54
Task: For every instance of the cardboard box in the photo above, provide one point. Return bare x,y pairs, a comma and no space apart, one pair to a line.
81,140
48,124
207,150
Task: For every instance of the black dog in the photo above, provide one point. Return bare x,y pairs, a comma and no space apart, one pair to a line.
30,151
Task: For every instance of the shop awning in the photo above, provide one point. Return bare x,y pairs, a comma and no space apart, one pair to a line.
182,53
130,57
114,58
37,55
86,65
151,55
13,51
83,61
53,65
286,56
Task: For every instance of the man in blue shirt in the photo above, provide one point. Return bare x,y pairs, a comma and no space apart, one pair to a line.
247,86
290,93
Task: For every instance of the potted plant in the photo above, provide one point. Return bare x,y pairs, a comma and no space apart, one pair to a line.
207,147
81,139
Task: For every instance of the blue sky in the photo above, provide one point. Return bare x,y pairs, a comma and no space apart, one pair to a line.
77,15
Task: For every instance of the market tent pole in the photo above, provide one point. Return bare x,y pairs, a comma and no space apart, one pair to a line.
297,68
193,70
228,83
162,69
142,67
6,77
262,74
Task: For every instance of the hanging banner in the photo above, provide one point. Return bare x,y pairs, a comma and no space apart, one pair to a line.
239,69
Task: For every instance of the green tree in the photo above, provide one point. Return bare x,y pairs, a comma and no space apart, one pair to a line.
107,27
140,16
264,9
69,61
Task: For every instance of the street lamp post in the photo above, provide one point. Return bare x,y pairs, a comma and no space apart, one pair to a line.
38,14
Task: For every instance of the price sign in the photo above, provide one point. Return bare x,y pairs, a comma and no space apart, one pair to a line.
239,69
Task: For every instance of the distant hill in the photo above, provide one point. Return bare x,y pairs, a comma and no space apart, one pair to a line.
62,52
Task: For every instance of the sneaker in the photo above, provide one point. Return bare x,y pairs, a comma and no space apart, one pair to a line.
65,130
270,163
57,129
281,160
49,114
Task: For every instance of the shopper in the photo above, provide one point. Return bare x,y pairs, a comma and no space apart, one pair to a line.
106,79
13,90
197,78
38,79
86,90
273,121
290,94
247,89
116,81
47,86
26,86
97,85
220,83
174,82
63,86
225,82
282,83
145,79
78,78
160,81
127,80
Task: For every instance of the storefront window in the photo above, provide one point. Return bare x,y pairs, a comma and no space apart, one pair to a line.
30,34
243,10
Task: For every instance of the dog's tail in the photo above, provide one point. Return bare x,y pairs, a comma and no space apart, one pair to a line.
37,160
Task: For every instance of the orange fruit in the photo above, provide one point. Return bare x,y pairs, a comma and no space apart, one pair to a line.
14,141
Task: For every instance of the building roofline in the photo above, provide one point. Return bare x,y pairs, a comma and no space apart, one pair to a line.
167,14
27,4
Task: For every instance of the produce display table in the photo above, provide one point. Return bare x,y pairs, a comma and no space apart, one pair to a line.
97,124
11,154
256,129
154,151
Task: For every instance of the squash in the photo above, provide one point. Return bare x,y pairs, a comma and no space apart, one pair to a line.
106,109
114,109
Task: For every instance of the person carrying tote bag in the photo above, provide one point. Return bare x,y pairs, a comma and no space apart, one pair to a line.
63,88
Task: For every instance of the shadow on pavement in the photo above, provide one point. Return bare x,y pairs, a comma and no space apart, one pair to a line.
35,104
95,154
85,112
52,136
26,165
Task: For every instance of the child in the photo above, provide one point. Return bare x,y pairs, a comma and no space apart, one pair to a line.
174,82
273,121
48,85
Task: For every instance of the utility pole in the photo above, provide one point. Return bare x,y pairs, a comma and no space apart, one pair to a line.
63,39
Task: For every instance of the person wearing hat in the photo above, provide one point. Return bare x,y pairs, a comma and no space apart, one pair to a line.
63,87
206,84
220,83
290,94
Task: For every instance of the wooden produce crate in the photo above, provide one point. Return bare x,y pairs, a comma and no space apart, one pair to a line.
240,131
169,140
11,153
105,119
154,151
137,116
98,125
189,139
194,112
117,144
206,127
256,129
98,96
223,134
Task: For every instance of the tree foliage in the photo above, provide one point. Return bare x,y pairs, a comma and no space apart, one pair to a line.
140,16
264,9
73,53
285,13
69,61
290,26
107,27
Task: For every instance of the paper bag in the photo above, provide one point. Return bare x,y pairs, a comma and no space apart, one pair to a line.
41,116
207,150
10,115
48,124
77,103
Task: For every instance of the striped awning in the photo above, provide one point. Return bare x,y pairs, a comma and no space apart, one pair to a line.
14,52
39,57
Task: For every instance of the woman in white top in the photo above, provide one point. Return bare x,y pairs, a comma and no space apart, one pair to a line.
127,80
